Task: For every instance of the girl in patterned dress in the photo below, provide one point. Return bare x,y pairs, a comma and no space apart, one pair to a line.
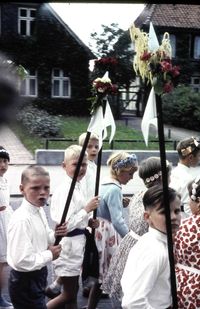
5,214
150,173
112,225
187,253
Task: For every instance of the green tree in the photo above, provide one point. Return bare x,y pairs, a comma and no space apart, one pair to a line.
114,44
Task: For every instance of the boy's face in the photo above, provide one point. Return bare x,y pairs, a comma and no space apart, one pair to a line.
92,149
194,160
156,217
3,166
36,190
70,167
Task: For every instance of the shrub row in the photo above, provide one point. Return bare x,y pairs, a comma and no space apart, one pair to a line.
39,122
181,108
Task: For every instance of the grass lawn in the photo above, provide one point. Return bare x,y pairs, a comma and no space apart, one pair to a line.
72,127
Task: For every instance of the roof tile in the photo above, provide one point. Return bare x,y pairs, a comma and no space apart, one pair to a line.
170,15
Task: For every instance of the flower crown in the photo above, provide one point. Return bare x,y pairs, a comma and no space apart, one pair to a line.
130,160
189,149
154,177
194,186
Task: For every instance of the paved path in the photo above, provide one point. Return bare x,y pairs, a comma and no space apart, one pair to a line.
18,153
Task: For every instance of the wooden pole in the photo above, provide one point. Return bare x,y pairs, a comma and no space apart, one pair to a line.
166,194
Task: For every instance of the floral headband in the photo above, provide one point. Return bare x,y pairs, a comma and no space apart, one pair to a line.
189,149
130,160
154,177
194,186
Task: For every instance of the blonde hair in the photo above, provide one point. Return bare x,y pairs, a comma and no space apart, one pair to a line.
73,152
121,161
33,170
82,137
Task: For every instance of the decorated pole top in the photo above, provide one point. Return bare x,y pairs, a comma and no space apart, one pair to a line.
153,61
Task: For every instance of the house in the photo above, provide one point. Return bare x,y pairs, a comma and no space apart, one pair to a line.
57,61
182,22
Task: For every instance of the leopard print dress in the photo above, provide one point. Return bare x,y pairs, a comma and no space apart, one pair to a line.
187,256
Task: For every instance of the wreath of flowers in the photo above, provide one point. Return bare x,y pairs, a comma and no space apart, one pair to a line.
155,66
101,87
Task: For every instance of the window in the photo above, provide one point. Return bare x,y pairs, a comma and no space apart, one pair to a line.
61,86
26,21
197,47
173,44
29,85
195,83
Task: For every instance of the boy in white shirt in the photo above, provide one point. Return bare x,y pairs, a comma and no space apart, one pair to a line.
146,278
68,265
30,242
189,156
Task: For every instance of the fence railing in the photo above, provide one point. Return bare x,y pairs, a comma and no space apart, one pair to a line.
112,144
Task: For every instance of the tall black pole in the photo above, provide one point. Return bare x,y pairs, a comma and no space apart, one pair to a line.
166,199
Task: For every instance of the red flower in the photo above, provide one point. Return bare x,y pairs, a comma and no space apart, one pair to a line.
166,66
175,71
146,56
168,87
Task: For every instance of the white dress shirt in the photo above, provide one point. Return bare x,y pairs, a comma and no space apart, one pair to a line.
89,180
28,238
180,177
77,217
70,260
146,278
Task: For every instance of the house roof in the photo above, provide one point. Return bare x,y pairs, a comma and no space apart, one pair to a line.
170,15
70,31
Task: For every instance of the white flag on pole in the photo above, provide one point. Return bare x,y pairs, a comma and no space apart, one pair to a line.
150,116
153,41
99,123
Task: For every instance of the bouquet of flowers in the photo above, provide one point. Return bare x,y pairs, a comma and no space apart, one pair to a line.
155,65
102,87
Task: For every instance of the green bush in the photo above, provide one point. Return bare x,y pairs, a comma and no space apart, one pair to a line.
39,122
181,108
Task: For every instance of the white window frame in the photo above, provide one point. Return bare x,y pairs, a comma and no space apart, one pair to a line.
60,79
28,19
26,84
193,85
196,54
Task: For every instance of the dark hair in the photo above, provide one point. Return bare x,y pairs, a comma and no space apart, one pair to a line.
188,146
154,196
150,169
4,154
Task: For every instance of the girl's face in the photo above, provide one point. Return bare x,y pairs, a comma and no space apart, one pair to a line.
92,149
125,176
3,166
156,217
70,167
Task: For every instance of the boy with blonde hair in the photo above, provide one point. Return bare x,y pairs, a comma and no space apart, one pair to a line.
68,265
